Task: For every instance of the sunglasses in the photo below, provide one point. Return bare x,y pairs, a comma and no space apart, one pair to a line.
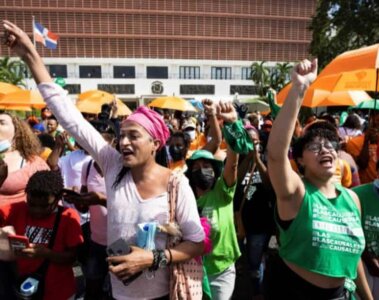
316,147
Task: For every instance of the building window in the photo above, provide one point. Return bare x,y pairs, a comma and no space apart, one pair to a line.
58,70
117,88
157,72
73,88
221,73
124,72
90,71
189,72
197,89
244,89
245,73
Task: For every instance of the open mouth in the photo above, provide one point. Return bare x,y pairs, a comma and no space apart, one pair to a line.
326,161
127,152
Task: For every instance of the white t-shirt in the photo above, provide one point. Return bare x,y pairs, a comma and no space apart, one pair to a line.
71,170
71,167
98,213
125,207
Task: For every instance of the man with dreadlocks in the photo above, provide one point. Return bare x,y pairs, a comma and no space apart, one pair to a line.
35,219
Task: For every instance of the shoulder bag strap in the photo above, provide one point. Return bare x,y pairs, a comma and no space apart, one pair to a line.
247,188
172,189
88,169
41,271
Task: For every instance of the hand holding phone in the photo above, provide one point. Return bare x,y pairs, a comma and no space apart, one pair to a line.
118,248
70,195
18,242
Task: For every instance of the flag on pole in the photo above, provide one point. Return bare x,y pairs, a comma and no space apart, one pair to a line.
45,36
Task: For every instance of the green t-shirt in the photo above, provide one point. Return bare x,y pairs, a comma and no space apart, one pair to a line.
369,197
326,237
217,206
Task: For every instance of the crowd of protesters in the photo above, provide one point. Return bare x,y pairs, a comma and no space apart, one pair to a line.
161,204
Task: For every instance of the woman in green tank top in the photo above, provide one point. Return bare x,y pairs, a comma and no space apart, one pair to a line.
321,237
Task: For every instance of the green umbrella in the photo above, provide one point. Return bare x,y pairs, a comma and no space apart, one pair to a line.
369,104
255,104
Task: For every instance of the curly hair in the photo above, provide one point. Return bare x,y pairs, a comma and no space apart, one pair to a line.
45,183
323,130
24,141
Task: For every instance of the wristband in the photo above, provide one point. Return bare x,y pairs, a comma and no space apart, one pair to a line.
169,252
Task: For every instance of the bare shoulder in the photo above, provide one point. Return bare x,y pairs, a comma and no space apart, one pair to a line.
162,175
355,198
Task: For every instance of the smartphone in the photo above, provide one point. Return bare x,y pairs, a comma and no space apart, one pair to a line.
18,242
121,247
70,192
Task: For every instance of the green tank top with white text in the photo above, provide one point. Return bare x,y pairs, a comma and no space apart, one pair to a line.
369,196
326,237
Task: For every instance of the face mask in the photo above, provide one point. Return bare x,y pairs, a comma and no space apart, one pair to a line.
5,145
176,153
191,134
203,178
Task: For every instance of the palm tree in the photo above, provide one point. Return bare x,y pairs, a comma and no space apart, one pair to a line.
259,73
280,76
12,71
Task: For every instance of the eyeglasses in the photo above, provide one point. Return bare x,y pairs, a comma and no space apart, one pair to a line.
317,147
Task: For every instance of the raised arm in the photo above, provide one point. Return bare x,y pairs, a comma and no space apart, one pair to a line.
214,129
56,98
287,184
19,42
226,112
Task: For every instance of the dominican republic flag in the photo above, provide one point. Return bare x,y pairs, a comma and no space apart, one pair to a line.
45,36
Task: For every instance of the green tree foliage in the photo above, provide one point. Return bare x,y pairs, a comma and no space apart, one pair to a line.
265,77
12,71
280,75
342,25
260,74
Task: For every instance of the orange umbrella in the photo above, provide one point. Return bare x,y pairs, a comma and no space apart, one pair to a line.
352,70
318,97
16,107
6,88
22,98
95,94
311,98
172,102
344,98
92,105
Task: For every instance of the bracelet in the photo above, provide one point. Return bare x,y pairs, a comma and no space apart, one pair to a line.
169,252
155,263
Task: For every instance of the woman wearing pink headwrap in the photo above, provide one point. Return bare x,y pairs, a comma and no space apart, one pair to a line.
136,185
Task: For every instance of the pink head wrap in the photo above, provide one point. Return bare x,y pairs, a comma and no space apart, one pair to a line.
152,122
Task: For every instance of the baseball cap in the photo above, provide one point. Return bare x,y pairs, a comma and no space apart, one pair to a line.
188,124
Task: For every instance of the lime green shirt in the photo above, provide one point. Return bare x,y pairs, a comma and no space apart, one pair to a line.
369,197
326,237
217,206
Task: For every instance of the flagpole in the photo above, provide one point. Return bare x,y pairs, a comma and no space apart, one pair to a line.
34,41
